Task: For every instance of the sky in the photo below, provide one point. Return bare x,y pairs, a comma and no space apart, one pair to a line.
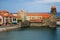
14,6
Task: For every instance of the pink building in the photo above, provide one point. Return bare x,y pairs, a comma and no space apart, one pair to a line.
6,17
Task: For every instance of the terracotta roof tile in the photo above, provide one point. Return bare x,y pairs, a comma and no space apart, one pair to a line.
39,14
16,16
5,11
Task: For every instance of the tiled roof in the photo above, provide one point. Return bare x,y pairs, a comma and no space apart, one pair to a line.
39,14
10,15
6,14
16,16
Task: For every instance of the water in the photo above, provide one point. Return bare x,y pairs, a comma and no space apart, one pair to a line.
32,34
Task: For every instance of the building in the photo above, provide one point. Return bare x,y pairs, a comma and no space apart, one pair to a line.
37,17
45,18
7,18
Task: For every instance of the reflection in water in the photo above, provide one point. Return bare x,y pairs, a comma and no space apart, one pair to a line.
32,34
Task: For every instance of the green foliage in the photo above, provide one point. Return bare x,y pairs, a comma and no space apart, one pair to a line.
19,20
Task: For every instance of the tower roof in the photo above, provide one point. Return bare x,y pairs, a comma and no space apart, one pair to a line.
6,11
53,6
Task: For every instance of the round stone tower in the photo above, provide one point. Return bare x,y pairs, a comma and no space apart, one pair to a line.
53,16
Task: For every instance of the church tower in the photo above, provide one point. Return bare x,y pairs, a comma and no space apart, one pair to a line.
53,16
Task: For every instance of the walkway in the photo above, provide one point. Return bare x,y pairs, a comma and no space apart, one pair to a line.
9,27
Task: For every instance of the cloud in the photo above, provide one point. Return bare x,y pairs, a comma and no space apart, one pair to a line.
42,1
49,1
46,1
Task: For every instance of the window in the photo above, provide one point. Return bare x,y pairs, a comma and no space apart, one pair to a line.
40,17
14,19
33,17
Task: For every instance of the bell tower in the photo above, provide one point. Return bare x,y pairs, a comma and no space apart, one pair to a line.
53,16
53,10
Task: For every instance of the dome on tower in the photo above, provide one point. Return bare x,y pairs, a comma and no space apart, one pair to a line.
53,6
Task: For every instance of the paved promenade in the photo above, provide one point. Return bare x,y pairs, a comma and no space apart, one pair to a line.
9,27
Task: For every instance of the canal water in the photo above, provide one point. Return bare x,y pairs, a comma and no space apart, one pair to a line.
31,34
